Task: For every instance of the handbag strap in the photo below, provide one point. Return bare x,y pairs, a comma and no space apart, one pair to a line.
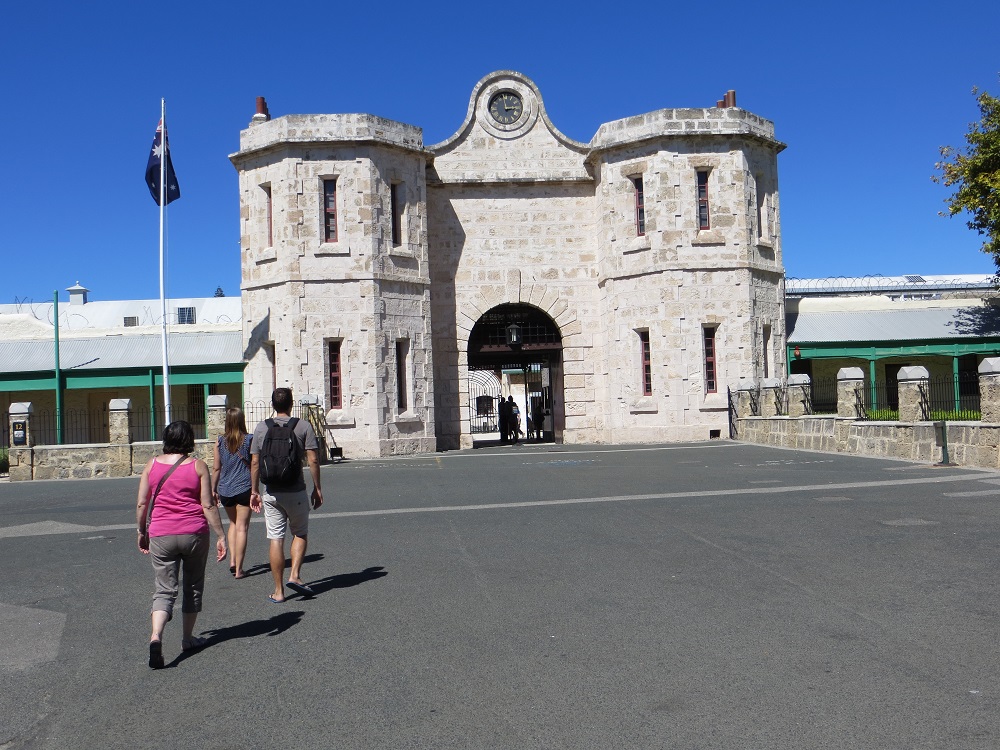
160,486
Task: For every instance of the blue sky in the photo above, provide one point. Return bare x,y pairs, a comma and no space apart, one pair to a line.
863,93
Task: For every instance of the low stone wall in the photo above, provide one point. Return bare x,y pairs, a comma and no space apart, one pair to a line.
118,458
973,444
90,461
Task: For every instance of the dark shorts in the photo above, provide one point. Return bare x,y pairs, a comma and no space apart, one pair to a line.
241,499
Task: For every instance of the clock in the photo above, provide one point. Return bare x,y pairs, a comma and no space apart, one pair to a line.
506,107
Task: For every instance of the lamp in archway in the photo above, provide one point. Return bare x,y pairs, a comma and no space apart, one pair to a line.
513,335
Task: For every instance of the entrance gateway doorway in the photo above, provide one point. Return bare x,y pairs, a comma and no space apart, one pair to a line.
516,350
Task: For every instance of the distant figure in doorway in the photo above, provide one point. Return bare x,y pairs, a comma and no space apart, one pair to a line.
503,417
277,462
174,533
515,419
231,484
537,418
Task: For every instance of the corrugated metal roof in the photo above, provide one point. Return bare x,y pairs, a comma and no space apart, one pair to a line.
892,325
113,352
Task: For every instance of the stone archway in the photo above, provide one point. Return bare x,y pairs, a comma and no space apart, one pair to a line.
530,372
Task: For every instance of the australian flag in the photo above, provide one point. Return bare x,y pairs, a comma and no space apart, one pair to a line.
161,145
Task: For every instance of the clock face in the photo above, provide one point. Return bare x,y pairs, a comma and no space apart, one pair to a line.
506,107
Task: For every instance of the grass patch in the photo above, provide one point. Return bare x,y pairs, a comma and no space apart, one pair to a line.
883,415
964,415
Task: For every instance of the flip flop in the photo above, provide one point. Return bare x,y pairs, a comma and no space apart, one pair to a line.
194,643
232,570
155,655
271,599
300,588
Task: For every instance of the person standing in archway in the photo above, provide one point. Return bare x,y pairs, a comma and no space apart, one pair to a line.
503,417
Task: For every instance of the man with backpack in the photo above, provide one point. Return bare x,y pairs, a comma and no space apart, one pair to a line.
277,449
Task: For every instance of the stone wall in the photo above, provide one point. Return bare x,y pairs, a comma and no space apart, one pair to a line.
512,213
118,458
974,444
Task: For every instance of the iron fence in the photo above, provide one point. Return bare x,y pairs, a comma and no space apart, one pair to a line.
147,424
878,401
823,397
950,397
79,427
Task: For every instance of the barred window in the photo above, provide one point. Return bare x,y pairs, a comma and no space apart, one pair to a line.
329,210
640,207
703,217
647,368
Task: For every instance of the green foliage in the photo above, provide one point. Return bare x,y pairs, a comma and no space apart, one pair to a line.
4,461
883,415
952,415
974,172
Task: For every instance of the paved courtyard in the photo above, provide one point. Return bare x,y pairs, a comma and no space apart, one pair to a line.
710,595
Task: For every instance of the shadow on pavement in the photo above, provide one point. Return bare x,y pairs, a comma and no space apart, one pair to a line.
346,580
252,629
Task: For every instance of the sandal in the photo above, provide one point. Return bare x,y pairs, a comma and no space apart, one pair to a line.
194,643
155,655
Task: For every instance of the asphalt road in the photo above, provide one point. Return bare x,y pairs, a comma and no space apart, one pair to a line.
711,595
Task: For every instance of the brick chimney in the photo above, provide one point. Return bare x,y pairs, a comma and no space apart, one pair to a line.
262,114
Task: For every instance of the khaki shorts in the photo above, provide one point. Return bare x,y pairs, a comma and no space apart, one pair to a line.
286,511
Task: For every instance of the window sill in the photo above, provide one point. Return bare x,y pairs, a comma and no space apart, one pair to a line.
333,248
637,245
708,237
714,402
339,418
266,255
644,405
408,417
403,251
765,244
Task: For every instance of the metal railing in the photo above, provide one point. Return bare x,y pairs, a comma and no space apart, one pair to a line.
952,398
823,396
878,402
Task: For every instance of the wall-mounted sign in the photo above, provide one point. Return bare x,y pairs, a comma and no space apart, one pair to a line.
19,430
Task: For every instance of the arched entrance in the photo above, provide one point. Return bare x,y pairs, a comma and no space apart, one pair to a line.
516,350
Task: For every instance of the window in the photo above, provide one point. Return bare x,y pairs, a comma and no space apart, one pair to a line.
185,316
271,355
268,215
396,210
640,207
329,210
767,348
763,198
336,395
703,217
647,367
131,321
711,386
402,351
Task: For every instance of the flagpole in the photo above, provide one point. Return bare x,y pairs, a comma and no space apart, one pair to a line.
163,299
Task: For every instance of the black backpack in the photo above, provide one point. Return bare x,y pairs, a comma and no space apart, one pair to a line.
280,455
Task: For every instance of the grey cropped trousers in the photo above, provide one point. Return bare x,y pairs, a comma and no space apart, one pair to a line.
179,556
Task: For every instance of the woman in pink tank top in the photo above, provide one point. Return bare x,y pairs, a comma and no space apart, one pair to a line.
175,534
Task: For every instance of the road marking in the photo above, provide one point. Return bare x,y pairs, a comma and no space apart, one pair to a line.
52,527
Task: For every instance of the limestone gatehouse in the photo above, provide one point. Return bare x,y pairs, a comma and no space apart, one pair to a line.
616,288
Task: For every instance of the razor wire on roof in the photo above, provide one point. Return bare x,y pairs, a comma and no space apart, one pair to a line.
877,284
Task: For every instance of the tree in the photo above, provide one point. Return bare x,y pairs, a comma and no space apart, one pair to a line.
975,173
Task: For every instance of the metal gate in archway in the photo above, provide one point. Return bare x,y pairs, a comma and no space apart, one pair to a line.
529,370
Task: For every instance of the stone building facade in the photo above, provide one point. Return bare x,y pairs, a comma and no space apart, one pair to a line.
641,271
